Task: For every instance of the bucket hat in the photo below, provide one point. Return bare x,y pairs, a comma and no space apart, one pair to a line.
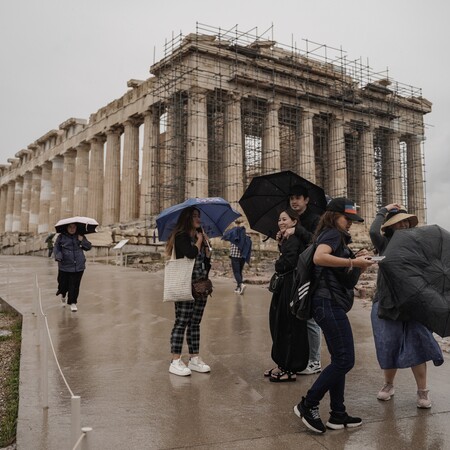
397,215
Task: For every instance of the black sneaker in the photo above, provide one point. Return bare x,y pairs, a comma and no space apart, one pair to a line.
338,421
310,416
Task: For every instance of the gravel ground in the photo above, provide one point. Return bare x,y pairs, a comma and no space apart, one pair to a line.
8,350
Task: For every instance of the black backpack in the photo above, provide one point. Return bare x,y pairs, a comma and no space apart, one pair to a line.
305,283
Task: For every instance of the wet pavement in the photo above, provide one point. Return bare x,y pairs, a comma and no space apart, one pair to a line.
114,353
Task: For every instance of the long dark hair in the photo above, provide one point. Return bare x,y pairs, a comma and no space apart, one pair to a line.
327,220
185,224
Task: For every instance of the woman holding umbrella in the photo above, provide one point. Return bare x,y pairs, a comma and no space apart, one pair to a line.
189,241
69,252
400,344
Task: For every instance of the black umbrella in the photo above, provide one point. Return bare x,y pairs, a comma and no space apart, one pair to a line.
268,195
416,274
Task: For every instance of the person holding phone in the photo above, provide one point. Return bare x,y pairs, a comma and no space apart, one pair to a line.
189,241
400,344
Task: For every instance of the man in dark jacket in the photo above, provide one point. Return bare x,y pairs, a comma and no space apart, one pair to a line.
306,226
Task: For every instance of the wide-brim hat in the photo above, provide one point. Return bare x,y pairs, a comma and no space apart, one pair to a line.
398,215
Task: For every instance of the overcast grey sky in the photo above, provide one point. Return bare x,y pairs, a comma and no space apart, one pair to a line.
62,59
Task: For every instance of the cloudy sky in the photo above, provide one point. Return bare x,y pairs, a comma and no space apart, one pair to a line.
62,59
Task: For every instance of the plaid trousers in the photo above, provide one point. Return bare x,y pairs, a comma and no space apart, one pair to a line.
188,316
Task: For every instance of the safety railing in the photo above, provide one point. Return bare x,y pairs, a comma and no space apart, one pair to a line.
78,436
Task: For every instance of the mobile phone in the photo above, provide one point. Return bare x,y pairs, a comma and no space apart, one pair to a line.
377,258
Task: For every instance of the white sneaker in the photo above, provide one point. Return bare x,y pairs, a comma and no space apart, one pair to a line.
237,290
178,367
312,368
198,365
242,289
386,392
423,399
73,307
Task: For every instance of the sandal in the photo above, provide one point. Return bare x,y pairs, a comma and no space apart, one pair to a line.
278,377
269,372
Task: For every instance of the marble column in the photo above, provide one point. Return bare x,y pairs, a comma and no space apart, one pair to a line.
96,179
57,188
415,178
271,161
367,195
392,170
111,187
9,206
68,185
129,189
26,202
233,157
45,197
196,182
3,195
307,163
18,191
80,200
149,202
337,163
34,200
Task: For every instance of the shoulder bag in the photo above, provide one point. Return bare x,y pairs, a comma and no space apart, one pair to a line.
178,279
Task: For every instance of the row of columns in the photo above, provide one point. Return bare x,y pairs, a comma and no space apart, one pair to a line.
86,181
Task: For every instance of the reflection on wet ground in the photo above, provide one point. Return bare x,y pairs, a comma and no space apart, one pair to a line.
115,354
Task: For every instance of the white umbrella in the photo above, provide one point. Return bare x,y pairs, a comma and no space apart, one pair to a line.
85,225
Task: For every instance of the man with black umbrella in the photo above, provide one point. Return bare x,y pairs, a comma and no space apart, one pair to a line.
304,230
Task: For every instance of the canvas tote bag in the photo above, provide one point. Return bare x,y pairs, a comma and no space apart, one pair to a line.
178,279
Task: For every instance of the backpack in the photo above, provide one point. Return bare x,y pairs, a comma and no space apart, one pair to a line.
305,283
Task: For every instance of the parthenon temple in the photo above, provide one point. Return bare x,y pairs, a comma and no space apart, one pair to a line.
219,108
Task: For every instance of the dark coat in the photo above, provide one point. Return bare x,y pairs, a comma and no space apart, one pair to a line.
290,349
69,252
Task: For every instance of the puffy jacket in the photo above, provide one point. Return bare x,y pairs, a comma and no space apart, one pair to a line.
69,252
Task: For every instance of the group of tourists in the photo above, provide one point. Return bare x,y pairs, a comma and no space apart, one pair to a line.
296,344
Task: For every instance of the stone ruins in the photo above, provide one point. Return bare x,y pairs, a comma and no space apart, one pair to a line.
218,109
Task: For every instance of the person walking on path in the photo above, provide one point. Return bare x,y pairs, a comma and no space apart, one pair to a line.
337,271
240,252
49,242
69,253
289,335
400,344
304,230
190,242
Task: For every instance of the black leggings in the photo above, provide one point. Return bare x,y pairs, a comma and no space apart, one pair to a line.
69,283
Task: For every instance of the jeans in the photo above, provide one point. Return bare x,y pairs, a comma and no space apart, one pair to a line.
237,264
314,339
336,328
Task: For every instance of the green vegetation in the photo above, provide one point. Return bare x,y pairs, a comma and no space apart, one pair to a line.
9,377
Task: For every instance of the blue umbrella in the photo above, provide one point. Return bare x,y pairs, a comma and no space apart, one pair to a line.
215,215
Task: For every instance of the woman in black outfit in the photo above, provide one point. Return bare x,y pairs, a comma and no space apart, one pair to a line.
290,350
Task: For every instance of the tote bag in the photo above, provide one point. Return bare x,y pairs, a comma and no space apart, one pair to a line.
178,279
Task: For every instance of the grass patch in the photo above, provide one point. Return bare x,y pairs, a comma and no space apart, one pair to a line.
9,380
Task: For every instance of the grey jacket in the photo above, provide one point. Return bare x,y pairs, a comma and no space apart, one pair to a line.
69,252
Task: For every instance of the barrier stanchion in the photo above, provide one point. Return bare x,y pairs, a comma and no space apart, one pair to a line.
75,419
44,361
36,297
85,443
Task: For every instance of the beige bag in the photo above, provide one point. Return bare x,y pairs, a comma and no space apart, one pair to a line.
178,279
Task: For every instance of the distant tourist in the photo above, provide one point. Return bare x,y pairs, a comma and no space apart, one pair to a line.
49,242
240,252
69,252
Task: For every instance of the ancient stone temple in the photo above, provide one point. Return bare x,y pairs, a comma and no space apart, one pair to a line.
218,109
